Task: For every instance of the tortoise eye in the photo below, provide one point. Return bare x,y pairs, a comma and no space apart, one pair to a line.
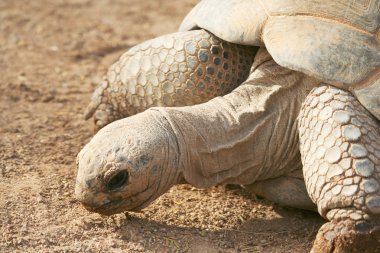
117,181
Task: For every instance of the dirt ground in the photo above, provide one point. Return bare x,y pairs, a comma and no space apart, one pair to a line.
52,55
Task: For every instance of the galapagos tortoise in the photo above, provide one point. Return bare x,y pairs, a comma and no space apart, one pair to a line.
312,96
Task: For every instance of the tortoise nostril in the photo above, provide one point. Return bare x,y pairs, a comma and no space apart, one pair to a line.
117,180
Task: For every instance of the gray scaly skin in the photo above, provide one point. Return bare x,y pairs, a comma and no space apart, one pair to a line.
178,69
340,147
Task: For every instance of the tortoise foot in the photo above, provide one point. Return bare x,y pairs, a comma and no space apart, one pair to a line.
347,237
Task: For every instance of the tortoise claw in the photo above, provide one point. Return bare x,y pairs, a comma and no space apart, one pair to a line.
347,237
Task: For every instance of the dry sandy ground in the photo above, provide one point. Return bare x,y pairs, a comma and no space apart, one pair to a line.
52,55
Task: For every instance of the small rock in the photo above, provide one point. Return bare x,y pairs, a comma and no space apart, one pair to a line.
39,199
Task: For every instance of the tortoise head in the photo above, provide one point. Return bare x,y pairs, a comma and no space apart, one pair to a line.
127,164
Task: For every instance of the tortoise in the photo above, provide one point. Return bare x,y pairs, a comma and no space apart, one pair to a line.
302,130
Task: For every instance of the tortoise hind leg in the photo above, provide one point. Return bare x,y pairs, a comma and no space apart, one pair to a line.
285,191
340,150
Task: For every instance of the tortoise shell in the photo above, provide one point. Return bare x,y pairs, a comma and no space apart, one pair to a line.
337,41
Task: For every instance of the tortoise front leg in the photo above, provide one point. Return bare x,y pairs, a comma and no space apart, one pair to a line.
177,69
340,148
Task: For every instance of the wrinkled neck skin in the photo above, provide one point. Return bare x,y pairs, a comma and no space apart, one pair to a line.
250,134
168,166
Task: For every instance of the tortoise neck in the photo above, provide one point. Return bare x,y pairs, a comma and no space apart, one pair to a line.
172,169
248,135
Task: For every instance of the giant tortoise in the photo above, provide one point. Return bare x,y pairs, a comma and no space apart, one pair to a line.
302,130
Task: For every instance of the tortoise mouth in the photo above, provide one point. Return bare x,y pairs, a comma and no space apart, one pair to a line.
109,208
113,207
130,204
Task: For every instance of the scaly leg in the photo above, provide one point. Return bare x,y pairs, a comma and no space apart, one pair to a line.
340,149
178,69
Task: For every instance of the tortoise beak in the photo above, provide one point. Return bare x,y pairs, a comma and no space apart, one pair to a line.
108,208
112,207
